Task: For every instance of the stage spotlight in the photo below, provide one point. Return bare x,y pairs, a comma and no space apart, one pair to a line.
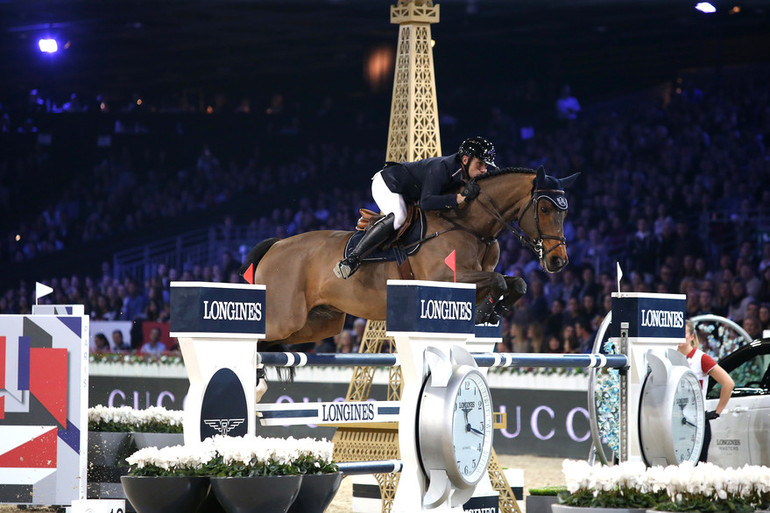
706,7
48,45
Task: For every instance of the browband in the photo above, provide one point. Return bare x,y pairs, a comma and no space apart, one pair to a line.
556,197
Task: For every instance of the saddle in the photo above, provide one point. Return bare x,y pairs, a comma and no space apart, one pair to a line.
398,248
369,217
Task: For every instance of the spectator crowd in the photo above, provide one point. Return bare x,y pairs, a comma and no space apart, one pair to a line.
674,187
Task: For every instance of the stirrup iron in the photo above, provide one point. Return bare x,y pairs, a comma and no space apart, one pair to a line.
373,237
345,268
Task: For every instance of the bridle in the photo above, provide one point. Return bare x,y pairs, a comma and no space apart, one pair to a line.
536,244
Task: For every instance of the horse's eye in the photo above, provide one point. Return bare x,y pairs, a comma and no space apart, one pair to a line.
544,209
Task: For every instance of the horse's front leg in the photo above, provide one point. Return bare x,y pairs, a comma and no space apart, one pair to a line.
502,293
491,282
516,288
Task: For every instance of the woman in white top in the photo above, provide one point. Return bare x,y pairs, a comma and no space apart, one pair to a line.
704,366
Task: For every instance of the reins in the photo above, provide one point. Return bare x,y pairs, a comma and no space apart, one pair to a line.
535,245
429,237
455,226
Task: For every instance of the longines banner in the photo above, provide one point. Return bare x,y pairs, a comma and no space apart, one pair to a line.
430,307
648,315
487,331
540,422
210,308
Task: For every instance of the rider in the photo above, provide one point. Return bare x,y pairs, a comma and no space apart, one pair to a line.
424,182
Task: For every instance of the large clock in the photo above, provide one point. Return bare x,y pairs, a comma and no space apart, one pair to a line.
454,426
672,422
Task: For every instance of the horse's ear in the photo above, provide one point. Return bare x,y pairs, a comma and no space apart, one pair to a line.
568,180
540,176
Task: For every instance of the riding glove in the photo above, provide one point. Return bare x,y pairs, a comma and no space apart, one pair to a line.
711,415
471,190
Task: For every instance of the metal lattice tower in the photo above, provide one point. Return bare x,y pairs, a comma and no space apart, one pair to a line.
507,500
414,132
362,443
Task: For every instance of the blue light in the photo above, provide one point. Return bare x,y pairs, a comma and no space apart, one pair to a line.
48,45
706,7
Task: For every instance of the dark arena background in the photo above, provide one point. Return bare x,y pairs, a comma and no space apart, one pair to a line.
148,141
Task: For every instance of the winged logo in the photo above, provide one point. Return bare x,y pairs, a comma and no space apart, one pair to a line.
223,426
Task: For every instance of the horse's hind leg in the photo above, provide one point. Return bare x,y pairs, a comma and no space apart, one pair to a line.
322,322
261,383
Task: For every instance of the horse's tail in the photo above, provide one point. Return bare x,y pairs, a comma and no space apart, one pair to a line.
255,255
285,374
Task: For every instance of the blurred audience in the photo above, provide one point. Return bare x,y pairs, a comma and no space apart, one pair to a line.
655,195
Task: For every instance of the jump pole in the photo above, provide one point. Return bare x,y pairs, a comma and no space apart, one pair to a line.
485,360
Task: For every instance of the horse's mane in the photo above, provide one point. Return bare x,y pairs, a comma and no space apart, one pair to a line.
506,171
503,171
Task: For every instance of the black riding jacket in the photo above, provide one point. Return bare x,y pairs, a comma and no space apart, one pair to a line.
426,181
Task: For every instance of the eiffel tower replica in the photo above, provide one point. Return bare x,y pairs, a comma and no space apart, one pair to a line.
413,134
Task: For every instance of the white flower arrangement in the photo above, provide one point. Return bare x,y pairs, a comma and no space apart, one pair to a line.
718,340
154,419
705,487
539,371
177,460
224,456
607,400
136,359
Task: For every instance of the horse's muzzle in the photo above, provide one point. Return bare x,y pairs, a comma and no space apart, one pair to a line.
554,263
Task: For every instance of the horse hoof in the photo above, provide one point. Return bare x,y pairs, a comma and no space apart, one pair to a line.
518,286
482,315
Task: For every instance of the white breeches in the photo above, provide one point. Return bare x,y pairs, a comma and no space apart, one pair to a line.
388,201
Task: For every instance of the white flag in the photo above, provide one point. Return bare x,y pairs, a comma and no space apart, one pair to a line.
41,290
620,275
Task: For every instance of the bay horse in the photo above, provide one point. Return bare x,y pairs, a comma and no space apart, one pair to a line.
306,302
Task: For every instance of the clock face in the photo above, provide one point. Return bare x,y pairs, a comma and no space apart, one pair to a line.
687,423
472,427
671,418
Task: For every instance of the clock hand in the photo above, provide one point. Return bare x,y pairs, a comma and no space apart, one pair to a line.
474,430
687,422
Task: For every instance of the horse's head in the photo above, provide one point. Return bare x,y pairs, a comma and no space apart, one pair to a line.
542,220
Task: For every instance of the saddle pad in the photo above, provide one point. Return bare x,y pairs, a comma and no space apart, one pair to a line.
394,252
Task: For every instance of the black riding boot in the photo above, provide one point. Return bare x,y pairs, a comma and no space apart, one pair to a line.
374,236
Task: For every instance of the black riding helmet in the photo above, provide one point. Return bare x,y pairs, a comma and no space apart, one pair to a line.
480,148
